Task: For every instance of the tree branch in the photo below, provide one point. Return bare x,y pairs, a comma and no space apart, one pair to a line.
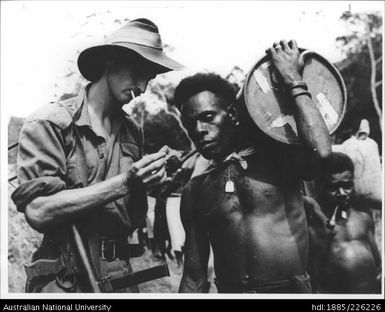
378,83
373,79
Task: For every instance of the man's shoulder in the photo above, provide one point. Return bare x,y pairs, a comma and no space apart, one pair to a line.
59,113
362,215
192,184
192,188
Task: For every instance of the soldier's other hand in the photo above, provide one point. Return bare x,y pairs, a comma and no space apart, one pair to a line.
169,151
284,57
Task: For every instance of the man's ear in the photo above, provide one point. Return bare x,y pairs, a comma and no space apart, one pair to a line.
233,114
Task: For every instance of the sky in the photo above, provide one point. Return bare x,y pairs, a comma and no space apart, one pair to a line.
40,39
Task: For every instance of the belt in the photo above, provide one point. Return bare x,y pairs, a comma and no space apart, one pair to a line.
111,249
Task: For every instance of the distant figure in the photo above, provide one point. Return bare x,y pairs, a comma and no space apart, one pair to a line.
367,165
161,233
344,257
150,218
367,171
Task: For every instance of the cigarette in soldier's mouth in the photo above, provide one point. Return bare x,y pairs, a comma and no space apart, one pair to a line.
133,94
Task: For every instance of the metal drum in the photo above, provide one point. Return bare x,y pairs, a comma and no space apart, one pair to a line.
270,109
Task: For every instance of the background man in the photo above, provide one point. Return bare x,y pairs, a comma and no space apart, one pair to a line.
80,161
364,153
344,255
248,204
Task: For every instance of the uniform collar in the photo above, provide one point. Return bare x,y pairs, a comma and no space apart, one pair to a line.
81,116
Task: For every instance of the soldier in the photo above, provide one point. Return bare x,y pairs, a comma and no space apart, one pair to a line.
80,161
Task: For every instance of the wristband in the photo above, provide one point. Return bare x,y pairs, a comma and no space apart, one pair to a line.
296,84
300,92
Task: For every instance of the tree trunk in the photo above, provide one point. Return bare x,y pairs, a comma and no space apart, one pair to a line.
373,64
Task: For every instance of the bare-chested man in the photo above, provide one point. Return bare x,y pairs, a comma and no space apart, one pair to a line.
248,204
344,255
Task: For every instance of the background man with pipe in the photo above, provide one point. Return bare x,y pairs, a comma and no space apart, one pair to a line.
80,162
344,257
248,203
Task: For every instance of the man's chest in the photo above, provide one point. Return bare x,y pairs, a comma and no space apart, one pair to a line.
105,159
232,189
353,228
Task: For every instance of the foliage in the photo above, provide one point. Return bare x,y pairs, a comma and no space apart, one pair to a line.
14,128
236,77
364,34
161,129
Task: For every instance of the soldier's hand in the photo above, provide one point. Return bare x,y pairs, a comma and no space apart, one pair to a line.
150,169
284,58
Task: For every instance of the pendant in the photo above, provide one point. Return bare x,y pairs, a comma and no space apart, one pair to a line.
229,187
344,214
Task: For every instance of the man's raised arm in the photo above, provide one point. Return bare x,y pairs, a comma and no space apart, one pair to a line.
312,130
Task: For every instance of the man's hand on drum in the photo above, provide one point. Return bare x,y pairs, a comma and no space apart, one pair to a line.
284,57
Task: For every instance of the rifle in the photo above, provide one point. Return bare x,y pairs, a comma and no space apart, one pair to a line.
80,248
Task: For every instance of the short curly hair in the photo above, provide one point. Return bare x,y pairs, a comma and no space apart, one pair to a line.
197,83
340,162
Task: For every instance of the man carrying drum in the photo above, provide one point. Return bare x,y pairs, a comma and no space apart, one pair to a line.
248,204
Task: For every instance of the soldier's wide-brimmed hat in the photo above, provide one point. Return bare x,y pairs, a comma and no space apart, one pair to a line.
139,35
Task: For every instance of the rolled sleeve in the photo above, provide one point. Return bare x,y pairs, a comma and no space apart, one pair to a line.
34,188
41,162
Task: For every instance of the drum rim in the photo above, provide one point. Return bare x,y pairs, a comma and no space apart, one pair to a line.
326,63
